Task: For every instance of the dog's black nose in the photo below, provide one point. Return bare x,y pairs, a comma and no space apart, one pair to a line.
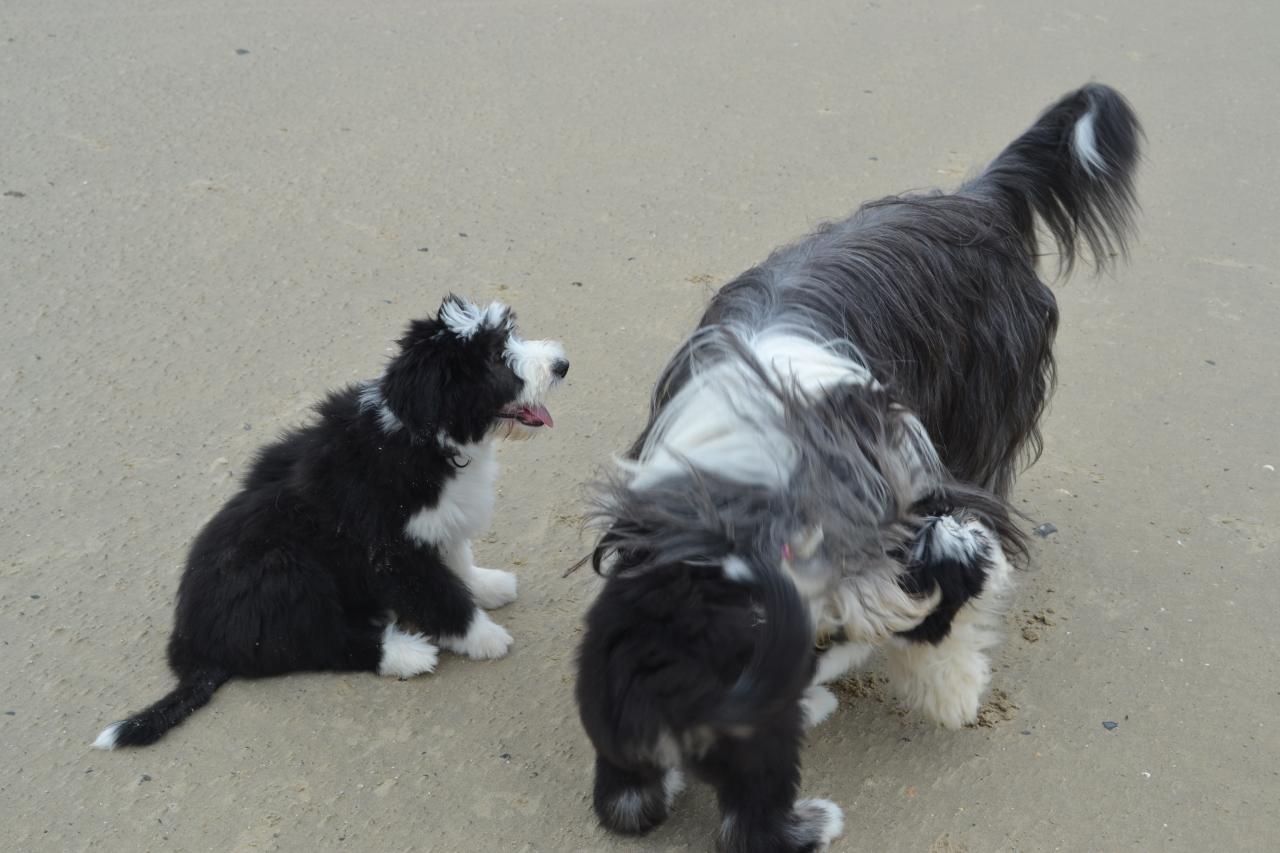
560,368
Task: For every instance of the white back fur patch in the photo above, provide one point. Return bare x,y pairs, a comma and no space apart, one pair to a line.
735,569
724,421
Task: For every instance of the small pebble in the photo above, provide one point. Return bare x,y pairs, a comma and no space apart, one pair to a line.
10,713
1027,732
424,249
145,778
1044,530
248,427
35,595
506,756
1110,726
240,51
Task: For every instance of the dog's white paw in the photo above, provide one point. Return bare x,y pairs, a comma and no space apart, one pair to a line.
818,704
405,655
822,820
839,659
953,703
484,640
492,588
945,684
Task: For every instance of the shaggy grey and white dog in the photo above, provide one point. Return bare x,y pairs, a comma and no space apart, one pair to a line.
828,456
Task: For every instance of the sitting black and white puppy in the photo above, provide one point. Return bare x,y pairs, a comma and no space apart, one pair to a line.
830,451
349,545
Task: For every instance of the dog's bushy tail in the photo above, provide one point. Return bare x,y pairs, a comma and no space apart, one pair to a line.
781,662
1074,169
147,726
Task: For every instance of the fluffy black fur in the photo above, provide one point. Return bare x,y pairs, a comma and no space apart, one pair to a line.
684,668
303,567
937,297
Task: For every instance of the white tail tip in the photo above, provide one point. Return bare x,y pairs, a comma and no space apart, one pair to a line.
1085,143
109,737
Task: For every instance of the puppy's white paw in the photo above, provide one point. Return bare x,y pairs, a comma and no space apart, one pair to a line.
822,820
818,704
492,588
484,640
405,655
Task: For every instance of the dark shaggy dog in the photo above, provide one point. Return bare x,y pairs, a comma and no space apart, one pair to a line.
828,456
362,520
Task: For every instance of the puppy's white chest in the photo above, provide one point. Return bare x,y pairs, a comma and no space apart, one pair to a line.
465,506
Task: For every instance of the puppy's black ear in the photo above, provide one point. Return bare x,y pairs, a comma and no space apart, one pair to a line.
415,381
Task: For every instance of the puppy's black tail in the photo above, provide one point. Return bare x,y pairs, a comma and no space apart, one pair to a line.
146,727
781,663
1074,169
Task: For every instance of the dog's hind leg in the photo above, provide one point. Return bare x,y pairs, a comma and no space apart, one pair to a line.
403,654
419,588
633,800
756,779
492,588
380,645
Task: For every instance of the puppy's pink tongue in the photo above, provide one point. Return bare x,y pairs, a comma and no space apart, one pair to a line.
540,412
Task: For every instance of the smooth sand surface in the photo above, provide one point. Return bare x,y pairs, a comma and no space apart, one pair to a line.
212,212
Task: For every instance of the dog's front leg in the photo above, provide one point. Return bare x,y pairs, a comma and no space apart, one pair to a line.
819,702
419,586
492,588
